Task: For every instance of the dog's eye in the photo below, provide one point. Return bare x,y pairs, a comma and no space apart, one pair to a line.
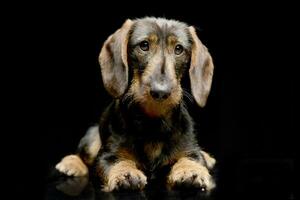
144,45
178,49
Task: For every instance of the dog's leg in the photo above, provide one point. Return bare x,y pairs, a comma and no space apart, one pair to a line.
76,164
209,160
124,175
119,170
188,172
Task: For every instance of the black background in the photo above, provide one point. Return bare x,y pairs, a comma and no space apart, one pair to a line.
247,123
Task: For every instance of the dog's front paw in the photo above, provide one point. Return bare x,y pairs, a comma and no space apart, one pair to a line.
190,174
124,177
72,165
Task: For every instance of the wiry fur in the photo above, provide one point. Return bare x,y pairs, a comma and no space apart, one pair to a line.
143,137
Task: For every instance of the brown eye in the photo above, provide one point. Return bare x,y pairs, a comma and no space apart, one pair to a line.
144,45
178,49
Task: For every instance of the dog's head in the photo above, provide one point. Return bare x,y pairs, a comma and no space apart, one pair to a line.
157,52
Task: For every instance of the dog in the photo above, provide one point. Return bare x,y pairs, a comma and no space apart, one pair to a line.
147,128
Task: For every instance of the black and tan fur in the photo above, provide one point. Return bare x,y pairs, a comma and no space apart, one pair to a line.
147,128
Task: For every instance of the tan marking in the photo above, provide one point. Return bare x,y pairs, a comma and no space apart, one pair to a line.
210,161
172,41
72,165
93,151
153,38
119,174
141,95
125,154
153,150
94,147
188,170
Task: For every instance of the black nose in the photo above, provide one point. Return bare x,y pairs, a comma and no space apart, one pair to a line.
160,94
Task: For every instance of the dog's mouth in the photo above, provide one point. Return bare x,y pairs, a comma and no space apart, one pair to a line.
161,105
153,104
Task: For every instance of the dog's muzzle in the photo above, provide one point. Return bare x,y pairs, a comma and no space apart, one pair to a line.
160,91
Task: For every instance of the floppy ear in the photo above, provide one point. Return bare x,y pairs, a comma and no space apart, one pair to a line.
113,61
201,70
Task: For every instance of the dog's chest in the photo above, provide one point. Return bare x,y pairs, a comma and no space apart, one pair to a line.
153,150
152,140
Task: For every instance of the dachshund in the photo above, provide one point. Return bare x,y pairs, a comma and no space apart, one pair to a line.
147,130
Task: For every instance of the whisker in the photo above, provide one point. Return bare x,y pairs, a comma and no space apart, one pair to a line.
129,99
188,95
184,105
166,125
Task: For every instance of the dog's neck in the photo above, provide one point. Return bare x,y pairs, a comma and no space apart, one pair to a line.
137,121
138,110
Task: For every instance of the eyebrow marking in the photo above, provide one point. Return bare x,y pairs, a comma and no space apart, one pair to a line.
153,38
172,40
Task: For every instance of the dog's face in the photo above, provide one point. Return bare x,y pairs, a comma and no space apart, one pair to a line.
157,52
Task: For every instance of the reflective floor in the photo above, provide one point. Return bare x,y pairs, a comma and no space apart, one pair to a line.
82,188
253,180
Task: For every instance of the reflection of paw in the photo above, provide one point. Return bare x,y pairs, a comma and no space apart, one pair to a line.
73,186
190,174
72,165
125,178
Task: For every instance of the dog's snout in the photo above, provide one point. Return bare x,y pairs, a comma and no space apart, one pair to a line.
160,91
158,94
